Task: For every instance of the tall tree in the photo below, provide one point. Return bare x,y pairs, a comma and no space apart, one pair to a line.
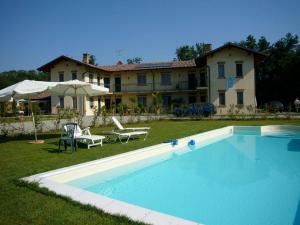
250,42
135,60
186,52
92,60
263,45
277,77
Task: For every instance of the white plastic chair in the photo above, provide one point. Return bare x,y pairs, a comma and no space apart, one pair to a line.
85,136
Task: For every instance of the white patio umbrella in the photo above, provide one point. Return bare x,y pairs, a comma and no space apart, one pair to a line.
77,88
25,89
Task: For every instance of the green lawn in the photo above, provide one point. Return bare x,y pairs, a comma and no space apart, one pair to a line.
27,204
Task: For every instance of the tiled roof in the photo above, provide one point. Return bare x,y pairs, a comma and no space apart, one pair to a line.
149,66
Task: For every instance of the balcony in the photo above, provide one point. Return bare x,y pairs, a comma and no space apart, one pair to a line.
156,87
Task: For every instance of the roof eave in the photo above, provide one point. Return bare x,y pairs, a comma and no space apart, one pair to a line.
47,67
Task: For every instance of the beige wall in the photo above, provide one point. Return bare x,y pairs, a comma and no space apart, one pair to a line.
247,83
82,74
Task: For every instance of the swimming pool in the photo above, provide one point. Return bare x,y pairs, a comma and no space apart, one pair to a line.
233,175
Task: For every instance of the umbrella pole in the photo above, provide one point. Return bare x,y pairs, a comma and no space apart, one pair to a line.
36,141
33,121
76,105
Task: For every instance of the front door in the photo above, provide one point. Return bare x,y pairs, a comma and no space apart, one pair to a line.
117,84
192,81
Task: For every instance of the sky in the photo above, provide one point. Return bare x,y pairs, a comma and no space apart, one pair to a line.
33,32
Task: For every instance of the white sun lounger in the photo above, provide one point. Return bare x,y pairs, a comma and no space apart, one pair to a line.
120,127
128,135
85,136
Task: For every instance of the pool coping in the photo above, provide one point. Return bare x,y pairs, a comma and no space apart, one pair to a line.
117,207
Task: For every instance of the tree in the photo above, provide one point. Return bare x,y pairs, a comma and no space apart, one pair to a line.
263,45
14,76
250,42
135,60
201,49
157,102
92,60
186,52
277,77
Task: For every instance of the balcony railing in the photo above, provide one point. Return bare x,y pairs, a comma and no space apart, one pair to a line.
150,87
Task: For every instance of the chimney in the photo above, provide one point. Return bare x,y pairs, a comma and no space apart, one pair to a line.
86,58
119,62
207,48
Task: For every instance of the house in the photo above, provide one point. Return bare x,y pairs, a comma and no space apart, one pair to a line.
224,76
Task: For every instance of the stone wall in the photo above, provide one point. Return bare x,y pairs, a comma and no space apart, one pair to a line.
23,128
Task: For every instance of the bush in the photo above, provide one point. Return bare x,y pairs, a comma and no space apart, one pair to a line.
206,109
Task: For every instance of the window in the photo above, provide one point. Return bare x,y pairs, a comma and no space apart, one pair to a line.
142,100
107,103
74,75
91,100
203,98
166,99
240,97
221,70
192,99
118,101
106,82
141,79
239,69
90,78
98,81
203,82
165,79
222,98
61,76
74,102
61,101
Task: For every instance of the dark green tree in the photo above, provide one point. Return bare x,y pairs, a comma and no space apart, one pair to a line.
14,76
92,60
277,77
186,52
250,42
135,60
263,45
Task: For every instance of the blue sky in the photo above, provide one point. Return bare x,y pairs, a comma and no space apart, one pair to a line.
33,32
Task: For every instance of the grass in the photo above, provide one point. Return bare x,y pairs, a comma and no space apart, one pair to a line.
22,203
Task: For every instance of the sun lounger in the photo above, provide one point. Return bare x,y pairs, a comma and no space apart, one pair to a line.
85,136
128,135
120,127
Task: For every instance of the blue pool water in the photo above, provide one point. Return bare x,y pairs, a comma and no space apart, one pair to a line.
244,179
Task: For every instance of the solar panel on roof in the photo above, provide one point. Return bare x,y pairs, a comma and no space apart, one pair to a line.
154,65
